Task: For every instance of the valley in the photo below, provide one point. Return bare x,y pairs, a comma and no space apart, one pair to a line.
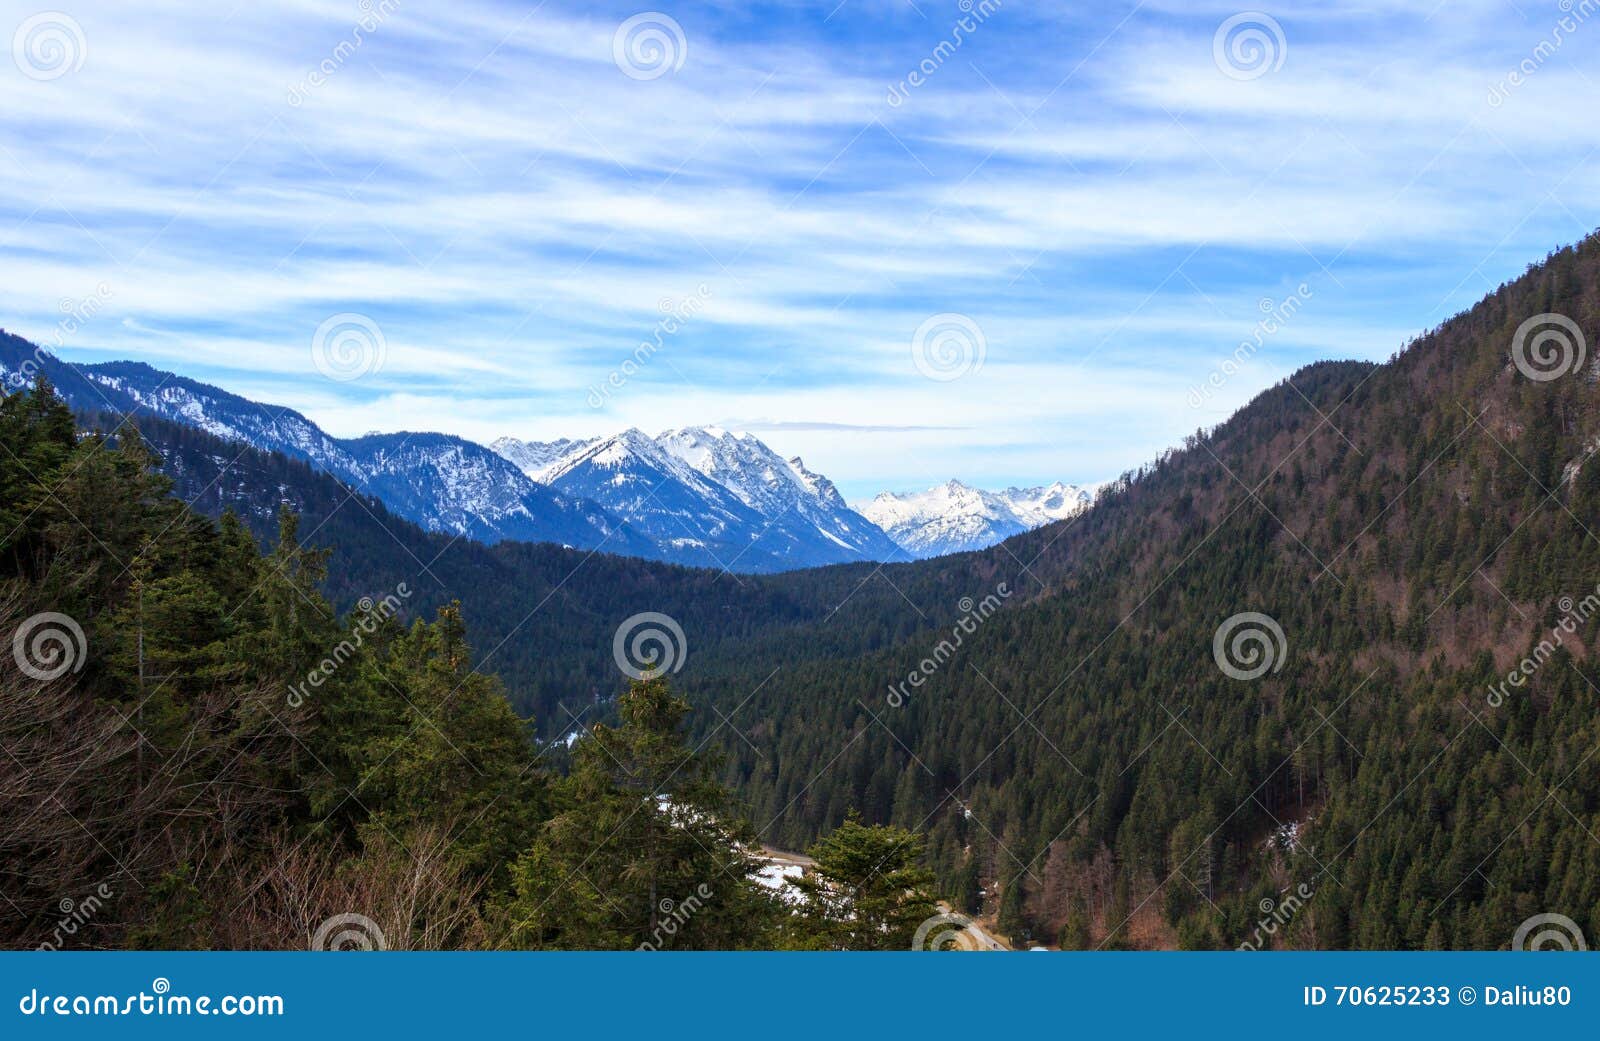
698,496
1093,760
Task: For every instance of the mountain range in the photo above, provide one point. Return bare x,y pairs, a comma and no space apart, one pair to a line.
443,483
955,517
700,496
713,495
1341,646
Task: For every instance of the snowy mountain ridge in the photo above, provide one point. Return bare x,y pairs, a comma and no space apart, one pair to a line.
439,481
702,496
954,517
714,490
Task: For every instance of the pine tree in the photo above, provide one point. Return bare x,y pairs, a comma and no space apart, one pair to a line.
868,891
442,746
647,851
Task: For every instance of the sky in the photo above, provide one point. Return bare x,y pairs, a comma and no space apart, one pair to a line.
991,240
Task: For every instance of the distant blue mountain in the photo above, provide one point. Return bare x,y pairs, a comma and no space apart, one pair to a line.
700,496
440,482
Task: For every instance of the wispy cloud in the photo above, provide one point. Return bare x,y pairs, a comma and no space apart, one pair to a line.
1102,201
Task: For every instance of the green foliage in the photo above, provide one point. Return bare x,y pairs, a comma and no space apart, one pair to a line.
645,851
1082,767
869,891
434,742
231,762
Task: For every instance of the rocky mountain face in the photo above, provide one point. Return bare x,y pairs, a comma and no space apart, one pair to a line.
699,496
955,517
442,483
718,498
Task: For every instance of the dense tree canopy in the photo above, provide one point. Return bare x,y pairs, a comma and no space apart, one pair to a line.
207,755
1413,768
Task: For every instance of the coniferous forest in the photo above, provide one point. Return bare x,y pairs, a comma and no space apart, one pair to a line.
193,800
1327,666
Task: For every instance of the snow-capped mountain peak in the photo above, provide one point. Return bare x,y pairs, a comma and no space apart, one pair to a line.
725,492
954,517
533,456
441,482
701,495
739,462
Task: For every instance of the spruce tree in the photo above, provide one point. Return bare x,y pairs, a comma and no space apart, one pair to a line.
647,851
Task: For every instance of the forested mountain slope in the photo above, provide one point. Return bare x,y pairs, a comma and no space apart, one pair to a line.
545,616
1071,739
205,756
1414,529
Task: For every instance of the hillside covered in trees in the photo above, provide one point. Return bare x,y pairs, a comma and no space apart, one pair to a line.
200,753
1416,531
1095,758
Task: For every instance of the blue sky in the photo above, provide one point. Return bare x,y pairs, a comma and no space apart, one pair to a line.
1099,201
